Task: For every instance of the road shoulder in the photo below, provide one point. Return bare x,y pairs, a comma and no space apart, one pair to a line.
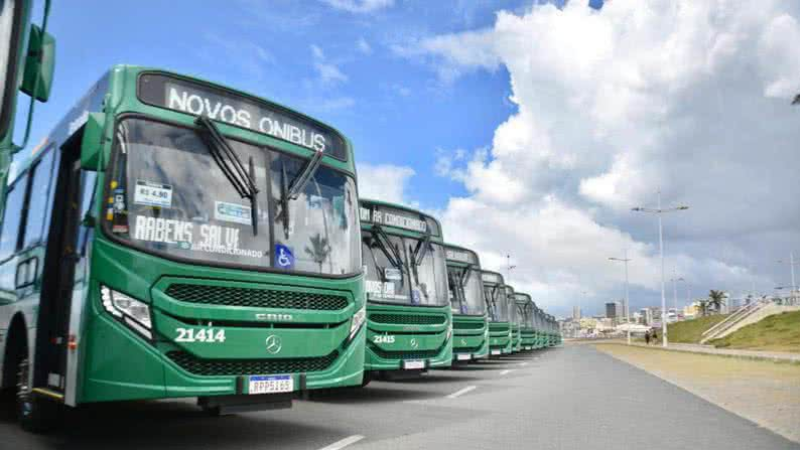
761,391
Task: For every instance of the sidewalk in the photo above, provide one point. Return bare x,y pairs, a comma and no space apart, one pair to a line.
783,357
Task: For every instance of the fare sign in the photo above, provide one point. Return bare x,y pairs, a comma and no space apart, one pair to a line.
263,117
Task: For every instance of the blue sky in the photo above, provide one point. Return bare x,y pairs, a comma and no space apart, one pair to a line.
336,65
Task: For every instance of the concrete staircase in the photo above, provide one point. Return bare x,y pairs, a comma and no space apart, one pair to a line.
747,315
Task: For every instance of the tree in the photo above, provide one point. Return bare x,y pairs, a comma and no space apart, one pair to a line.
716,299
702,306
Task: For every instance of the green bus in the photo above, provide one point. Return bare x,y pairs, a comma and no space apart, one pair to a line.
527,330
499,311
409,322
177,238
553,333
470,325
27,58
538,326
514,317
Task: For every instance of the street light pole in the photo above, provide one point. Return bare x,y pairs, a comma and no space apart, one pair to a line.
659,211
794,285
627,297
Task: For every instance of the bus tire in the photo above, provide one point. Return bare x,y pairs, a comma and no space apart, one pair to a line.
35,414
366,379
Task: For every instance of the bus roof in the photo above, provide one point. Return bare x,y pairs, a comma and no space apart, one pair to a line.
376,212
456,254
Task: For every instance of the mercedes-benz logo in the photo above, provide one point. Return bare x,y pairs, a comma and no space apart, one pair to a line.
274,344
463,342
414,343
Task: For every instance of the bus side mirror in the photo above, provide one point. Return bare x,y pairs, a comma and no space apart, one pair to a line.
39,64
92,142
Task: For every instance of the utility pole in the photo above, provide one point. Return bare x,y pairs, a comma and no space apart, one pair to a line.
659,212
627,297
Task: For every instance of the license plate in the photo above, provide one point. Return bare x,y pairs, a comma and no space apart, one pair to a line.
495,352
527,348
413,365
270,384
463,357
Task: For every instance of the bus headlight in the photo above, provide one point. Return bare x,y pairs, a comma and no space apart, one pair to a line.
358,320
449,331
132,312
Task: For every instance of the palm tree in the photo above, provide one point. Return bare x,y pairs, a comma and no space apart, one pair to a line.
319,250
716,299
702,306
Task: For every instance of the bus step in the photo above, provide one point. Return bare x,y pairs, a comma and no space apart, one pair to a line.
49,393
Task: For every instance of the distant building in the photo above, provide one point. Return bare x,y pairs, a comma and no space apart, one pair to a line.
646,316
576,313
613,310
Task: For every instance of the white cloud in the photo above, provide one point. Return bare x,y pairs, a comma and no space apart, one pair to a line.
688,97
328,72
363,46
359,6
383,182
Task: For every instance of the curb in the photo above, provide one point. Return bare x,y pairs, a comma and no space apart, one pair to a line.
774,359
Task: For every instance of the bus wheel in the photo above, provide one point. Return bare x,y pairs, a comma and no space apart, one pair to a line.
367,378
35,414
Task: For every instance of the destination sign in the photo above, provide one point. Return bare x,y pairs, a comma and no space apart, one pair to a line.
522,297
398,218
263,117
453,254
489,277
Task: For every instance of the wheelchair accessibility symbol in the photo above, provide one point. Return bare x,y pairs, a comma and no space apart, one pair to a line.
283,257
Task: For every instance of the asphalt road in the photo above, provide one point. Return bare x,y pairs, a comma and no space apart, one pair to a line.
571,397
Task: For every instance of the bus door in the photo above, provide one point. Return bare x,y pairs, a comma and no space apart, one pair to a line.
65,269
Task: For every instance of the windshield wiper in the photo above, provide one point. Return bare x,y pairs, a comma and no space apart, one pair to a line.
387,248
465,276
291,190
242,180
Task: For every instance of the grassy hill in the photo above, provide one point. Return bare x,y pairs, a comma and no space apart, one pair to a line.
780,333
691,331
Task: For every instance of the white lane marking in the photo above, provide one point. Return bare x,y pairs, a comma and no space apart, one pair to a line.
505,372
461,392
344,442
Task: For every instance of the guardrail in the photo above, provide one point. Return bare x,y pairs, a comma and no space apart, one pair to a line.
733,319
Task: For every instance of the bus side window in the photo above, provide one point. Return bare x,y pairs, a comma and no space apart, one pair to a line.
12,218
39,202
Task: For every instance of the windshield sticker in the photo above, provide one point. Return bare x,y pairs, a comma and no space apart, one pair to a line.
463,309
416,296
190,236
231,212
392,274
152,194
382,290
284,257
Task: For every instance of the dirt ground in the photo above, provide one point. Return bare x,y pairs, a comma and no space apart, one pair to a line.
764,392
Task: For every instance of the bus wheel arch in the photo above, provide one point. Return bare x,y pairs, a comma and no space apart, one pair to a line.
16,349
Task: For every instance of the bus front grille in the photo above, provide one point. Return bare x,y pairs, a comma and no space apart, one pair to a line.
405,355
467,325
255,297
408,319
231,367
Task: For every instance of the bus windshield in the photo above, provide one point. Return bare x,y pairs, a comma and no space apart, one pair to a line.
497,302
393,276
513,311
169,196
466,282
